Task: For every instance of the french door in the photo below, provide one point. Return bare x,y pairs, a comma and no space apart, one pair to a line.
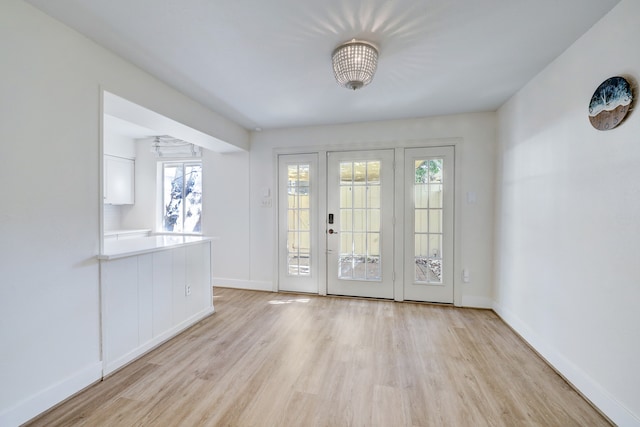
298,268
359,223
354,249
428,224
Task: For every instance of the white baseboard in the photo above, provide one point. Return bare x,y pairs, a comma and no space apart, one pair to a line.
476,302
253,285
113,366
50,396
589,388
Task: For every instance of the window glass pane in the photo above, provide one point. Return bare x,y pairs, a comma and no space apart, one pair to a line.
421,172
345,196
359,196
435,246
193,198
359,268
373,244
292,198
435,171
373,220
422,270
304,224
373,172
303,175
304,244
435,259
172,198
435,196
346,219
359,172
373,196
421,258
303,196
346,172
435,220
434,271
292,263
422,220
304,264
422,245
359,243
292,219
421,196
373,268
345,267
359,216
292,241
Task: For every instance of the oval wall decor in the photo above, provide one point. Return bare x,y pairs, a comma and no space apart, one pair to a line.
610,103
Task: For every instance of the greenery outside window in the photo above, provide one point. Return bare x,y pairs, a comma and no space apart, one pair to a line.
181,197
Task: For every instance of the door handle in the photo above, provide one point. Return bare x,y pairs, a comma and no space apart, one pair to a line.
331,231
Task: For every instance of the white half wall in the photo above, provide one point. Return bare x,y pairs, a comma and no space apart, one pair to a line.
567,219
51,80
476,160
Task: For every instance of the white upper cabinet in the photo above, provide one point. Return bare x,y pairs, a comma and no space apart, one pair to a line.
119,181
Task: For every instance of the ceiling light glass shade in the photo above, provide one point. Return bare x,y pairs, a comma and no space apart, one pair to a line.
354,64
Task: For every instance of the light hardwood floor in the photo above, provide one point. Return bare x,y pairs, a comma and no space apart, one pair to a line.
269,359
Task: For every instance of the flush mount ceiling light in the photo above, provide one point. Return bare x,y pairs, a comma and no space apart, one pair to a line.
354,63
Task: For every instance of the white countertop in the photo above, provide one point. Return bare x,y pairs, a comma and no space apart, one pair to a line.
114,249
125,232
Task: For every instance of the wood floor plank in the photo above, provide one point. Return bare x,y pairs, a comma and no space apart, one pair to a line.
268,359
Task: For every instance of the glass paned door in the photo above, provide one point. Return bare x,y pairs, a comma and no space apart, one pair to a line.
359,230
298,220
297,213
360,223
429,224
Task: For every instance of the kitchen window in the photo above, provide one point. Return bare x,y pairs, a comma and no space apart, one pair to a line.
181,197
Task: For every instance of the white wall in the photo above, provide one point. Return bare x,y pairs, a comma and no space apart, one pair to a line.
119,146
568,219
50,81
142,214
477,154
226,216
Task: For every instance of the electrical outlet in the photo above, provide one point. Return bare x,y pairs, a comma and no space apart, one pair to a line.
187,290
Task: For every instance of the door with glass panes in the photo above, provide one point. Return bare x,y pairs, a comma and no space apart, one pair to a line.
428,249
298,207
359,223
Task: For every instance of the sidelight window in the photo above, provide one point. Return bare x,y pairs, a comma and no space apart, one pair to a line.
428,214
298,221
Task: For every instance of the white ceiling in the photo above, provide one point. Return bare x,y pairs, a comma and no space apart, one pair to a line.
266,63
